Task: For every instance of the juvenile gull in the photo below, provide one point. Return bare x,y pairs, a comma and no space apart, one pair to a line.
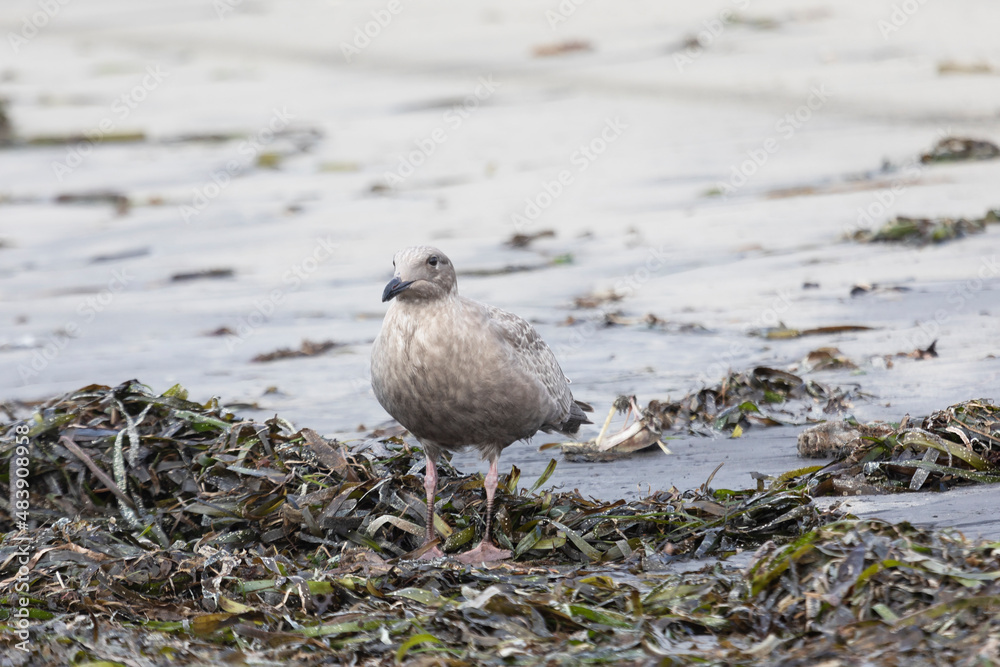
457,373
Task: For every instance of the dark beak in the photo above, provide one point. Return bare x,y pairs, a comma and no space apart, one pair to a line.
394,287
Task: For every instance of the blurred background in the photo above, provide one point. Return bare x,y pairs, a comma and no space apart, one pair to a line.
210,192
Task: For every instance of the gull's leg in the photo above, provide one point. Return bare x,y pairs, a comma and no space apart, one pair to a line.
490,484
430,486
486,551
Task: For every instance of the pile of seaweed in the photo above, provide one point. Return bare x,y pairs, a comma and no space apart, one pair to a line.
952,447
866,592
922,231
761,396
243,541
960,149
171,470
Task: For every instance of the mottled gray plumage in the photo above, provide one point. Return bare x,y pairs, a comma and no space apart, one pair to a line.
457,373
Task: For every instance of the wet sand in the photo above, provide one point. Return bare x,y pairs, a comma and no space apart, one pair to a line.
267,153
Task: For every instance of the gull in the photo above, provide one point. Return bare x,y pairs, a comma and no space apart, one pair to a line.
457,373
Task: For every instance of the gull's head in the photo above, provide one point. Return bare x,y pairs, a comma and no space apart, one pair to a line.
422,273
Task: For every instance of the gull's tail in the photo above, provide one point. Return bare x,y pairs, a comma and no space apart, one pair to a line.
577,417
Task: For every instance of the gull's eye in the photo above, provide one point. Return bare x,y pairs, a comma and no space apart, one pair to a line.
433,261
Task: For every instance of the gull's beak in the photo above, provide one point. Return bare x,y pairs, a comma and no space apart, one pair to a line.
394,287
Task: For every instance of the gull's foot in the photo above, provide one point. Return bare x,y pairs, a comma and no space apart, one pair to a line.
484,553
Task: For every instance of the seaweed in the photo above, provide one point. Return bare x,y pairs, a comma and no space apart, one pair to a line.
170,469
952,447
923,231
958,149
154,529
308,348
761,396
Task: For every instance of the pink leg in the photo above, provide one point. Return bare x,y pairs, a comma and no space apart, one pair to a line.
490,483
430,486
486,551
